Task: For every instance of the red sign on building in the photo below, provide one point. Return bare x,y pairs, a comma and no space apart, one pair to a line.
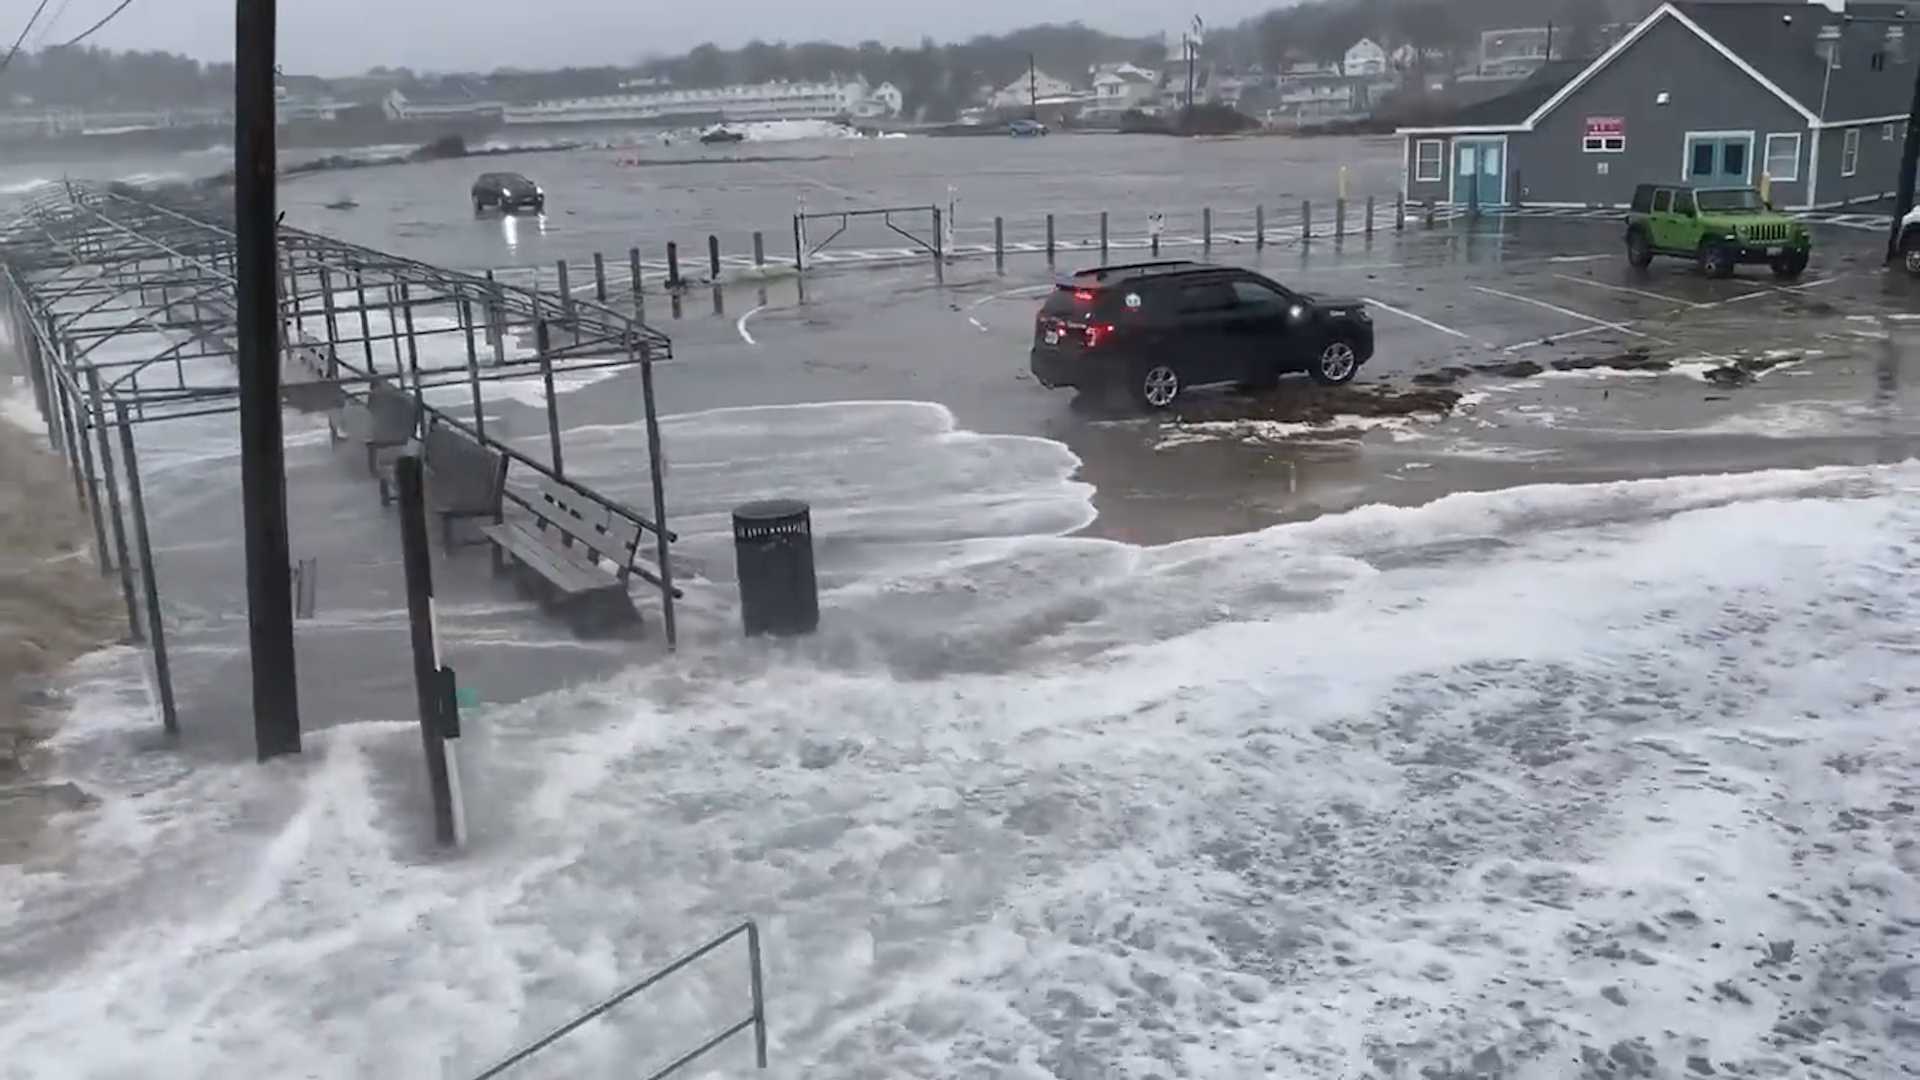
1603,127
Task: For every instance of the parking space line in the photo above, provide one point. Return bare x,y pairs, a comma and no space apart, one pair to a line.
1568,312
742,324
1421,319
1577,258
1628,291
1554,339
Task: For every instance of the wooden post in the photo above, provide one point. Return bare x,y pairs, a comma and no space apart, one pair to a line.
1340,219
566,293
999,246
1049,239
1260,227
1306,221
1103,236
1369,217
1206,228
1430,213
673,265
759,249
1400,212
713,258
633,267
599,278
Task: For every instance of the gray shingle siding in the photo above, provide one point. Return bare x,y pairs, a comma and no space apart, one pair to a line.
1877,171
1706,93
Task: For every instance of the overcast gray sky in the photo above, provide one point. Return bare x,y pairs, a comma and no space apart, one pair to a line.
342,36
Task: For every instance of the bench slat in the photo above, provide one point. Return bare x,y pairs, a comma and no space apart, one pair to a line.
562,569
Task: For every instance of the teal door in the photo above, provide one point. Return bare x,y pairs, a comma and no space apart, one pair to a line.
1480,172
1719,160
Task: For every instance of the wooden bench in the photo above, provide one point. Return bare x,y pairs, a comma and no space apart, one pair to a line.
465,480
384,424
579,550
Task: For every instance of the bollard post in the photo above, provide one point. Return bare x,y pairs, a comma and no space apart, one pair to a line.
1430,213
1260,227
1340,219
713,258
799,244
1049,239
999,245
939,246
1400,212
759,249
433,683
1369,217
1103,236
1306,221
599,278
1206,228
673,265
633,267
566,294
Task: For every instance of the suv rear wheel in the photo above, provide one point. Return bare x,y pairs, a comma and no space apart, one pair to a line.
1910,253
1336,364
1155,385
1639,249
1716,260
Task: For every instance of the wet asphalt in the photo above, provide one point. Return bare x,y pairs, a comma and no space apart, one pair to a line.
1467,294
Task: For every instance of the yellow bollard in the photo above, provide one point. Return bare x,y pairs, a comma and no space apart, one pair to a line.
1766,188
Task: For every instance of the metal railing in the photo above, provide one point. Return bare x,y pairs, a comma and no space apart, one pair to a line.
757,1019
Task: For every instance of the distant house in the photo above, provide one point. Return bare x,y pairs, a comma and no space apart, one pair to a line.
443,104
888,97
1120,87
1019,93
1712,94
1365,57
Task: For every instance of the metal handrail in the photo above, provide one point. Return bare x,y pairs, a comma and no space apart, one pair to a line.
756,1019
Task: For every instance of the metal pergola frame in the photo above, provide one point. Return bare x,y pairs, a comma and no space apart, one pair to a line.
83,266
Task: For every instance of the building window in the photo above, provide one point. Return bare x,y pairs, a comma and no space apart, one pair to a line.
1429,160
1850,152
1886,133
1604,144
1783,157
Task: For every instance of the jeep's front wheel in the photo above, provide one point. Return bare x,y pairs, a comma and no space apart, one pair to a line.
1639,249
1716,260
1791,264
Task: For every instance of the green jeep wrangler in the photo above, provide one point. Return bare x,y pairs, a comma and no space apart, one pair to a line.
1719,228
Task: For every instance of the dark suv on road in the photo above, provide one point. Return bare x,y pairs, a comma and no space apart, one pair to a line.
1155,329
507,192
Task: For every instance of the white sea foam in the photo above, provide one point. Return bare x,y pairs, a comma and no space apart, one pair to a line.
1394,790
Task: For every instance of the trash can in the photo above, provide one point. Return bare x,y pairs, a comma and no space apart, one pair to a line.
773,553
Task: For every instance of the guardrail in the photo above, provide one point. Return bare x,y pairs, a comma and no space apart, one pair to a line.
757,1019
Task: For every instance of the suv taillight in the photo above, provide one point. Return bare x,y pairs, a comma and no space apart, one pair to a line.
1097,333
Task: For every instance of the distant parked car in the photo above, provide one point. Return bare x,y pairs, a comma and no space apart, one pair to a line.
1718,228
722,135
1026,128
1910,241
507,192
1155,329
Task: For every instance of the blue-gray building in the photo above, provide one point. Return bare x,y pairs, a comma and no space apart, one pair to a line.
1811,96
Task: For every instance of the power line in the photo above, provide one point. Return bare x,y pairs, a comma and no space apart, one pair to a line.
88,32
52,21
24,31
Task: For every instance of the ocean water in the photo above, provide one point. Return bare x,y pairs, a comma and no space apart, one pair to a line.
1612,780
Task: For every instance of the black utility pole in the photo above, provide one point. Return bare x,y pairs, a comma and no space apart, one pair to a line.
1909,159
1033,89
263,472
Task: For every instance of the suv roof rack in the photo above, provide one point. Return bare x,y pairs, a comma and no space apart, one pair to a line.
1141,269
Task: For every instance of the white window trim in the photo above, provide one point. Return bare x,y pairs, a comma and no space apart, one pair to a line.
1767,163
1886,133
1439,161
1850,152
1603,144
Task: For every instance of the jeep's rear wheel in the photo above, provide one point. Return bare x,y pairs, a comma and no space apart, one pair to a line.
1791,264
1639,249
1910,256
1716,260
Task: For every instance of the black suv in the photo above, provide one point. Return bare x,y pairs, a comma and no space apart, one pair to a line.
507,192
1154,329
